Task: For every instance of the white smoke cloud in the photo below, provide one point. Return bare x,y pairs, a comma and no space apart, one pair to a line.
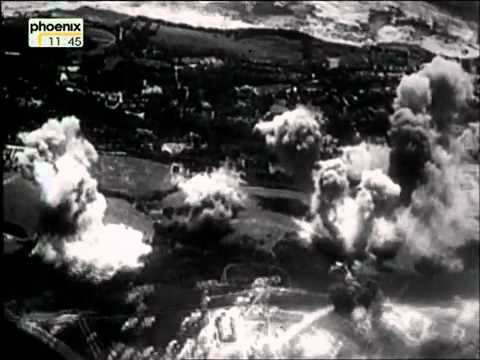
222,182
384,240
414,93
330,181
437,220
295,138
214,195
349,218
365,156
58,160
382,189
98,253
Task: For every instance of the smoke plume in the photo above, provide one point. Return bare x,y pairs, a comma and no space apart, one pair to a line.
438,220
414,93
208,201
411,150
358,204
384,241
425,161
348,213
365,156
73,233
216,195
383,190
450,86
295,138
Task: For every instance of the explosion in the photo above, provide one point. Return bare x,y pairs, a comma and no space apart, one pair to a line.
73,232
384,241
349,217
365,156
295,138
414,93
425,160
383,190
436,222
208,202
216,195
450,86
330,182
58,161
411,150
358,203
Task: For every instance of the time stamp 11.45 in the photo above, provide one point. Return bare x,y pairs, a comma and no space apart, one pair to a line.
55,32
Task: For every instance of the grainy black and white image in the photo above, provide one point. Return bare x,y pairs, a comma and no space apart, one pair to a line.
240,179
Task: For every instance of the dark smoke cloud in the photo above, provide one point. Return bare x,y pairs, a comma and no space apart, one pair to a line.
451,87
425,161
411,151
362,211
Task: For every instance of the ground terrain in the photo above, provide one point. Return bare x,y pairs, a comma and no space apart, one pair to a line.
233,78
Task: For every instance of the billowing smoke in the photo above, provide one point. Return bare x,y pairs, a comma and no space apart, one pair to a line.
438,220
348,213
383,190
450,86
425,161
73,232
414,93
216,195
331,183
418,212
295,138
207,203
365,156
411,150
441,88
384,241
427,103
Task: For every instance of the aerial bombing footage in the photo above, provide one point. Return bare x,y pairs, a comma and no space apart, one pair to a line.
374,209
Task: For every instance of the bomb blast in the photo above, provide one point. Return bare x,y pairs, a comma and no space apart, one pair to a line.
295,138
58,159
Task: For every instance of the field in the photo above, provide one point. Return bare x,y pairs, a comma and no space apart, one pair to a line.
255,46
132,176
21,202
